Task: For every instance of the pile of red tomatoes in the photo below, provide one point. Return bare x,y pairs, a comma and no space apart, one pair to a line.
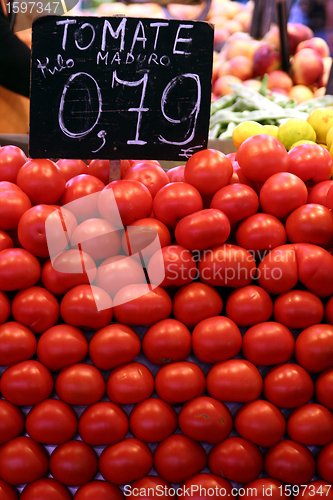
208,370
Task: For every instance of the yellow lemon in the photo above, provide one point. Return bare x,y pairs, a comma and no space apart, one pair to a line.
298,143
329,137
321,120
331,150
245,130
294,130
270,130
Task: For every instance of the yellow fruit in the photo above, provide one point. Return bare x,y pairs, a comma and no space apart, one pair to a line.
245,130
295,130
331,150
298,143
323,146
329,138
321,120
270,130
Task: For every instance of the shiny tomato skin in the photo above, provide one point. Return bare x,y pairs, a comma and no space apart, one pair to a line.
324,388
234,380
288,386
118,271
311,424
268,343
310,162
5,240
22,460
178,382
179,264
11,422
12,158
236,201
73,463
236,459
97,237
79,188
100,169
166,341
290,462
261,232
310,223
153,420
102,424
314,348
7,492
298,309
238,177
316,489
142,232
123,462
315,268
148,486
42,180
80,384
260,422
329,311
205,419
150,175
249,305
176,174
71,168
51,422
178,457
278,271
265,486
13,204
99,489
36,308
129,384
17,343
4,307
209,483
208,170
318,193
216,339
27,383
325,463
46,487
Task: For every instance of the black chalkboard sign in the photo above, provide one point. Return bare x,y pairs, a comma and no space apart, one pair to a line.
119,87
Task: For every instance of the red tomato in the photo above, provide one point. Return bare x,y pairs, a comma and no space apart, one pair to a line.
13,204
234,380
325,463
167,341
80,384
205,419
5,240
178,457
73,463
278,270
206,486
139,305
262,156
72,168
27,383
238,177
203,229
102,424
45,488
291,462
87,306
51,422
153,420
236,201
227,265
149,486
263,487
12,159
126,461
298,309
179,382
311,224
42,180
268,344
97,237
288,386
17,343
195,302
11,422
208,170
7,492
99,489
314,348
19,269
150,175
124,201
236,459
311,424
100,169
116,272
129,384
141,233
318,193
81,189
4,306
324,388
261,232
178,264
260,422
282,193
310,162
176,174
315,269
216,339
315,489
249,305
174,201
114,345
61,346
36,308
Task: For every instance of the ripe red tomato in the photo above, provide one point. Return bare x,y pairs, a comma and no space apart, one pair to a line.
22,460
102,424
45,488
236,201
153,420
206,486
83,189
314,348
238,177
149,486
114,345
42,180
4,306
311,424
325,463
72,168
129,384
13,204
310,162
27,383
216,339
236,459
36,308
73,463
205,419
234,380
17,343
118,271
288,386
262,156
5,240
263,487
99,489
268,344
100,169
310,223
315,268
178,263
97,237
12,158
176,174
208,170
11,422
176,383
126,461
291,462
141,233
87,306
315,489
195,302
174,201
178,457
80,384
61,346
7,492
167,341
261,232
324,388
249,305
318,193
298,309
150,175
51,422
260,422
278,270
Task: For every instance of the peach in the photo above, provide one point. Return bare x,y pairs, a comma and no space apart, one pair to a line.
221,86
279,90
266,59
320,92
297,33
220,37
241,66
300,93
218,21
253,84
244,17
327,61
306,67
279,79
233,26
322,82
315,43
241,47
